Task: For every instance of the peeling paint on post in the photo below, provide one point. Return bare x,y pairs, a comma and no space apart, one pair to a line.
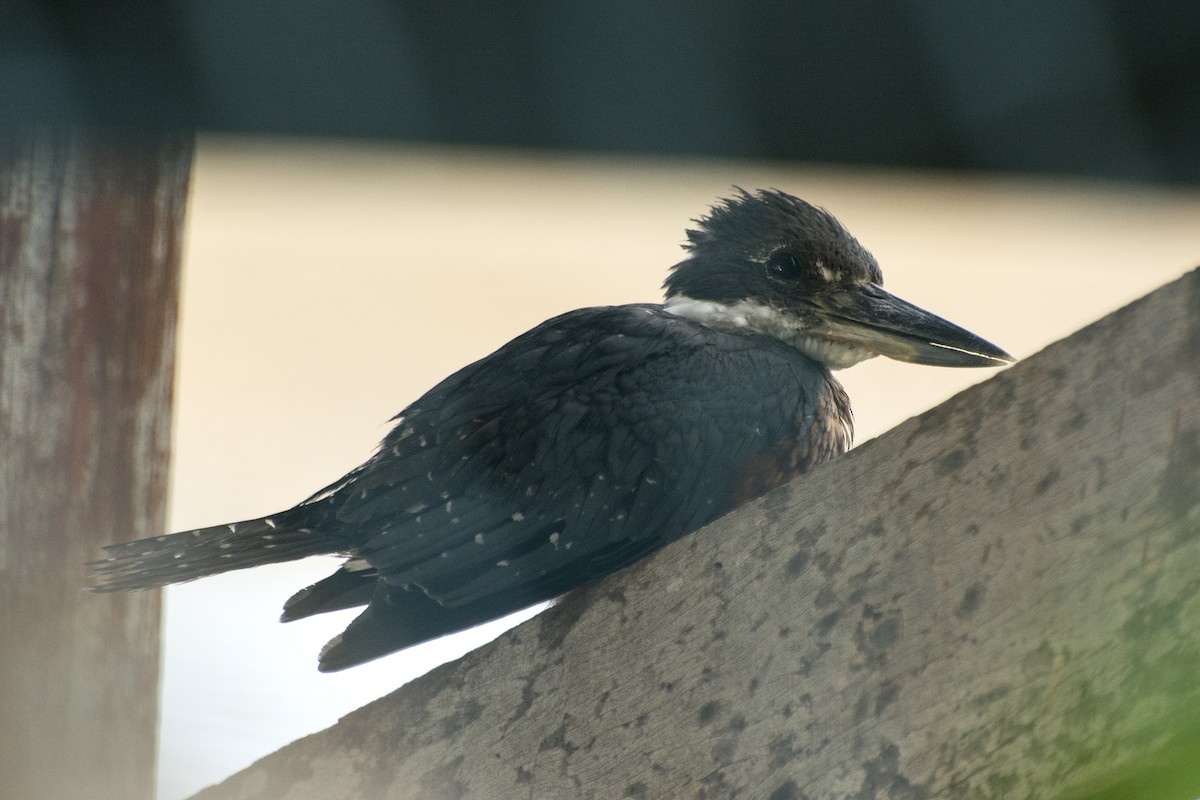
90,242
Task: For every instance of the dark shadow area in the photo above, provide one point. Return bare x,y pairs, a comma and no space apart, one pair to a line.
1108,89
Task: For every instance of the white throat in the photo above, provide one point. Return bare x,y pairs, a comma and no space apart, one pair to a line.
747,316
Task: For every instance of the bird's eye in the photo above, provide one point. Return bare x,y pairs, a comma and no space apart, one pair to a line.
784,264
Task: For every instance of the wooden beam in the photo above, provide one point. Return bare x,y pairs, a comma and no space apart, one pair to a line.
90,242
999,598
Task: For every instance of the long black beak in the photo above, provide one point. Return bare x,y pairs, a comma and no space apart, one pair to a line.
877,320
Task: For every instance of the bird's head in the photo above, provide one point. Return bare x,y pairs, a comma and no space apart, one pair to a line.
767,262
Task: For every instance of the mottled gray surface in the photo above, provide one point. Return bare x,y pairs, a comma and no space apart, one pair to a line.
996,599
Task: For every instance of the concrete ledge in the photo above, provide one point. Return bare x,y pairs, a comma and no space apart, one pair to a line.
999,598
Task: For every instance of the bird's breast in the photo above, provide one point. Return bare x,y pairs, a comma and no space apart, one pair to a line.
818,436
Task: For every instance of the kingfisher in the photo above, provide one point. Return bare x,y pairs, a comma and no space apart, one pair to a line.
590,441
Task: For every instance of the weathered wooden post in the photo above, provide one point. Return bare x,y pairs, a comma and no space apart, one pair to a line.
997,599
90,242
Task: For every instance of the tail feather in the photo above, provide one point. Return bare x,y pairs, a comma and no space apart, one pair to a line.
398,618
341,590
185,556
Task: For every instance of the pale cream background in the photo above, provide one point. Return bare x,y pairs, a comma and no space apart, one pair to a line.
328,284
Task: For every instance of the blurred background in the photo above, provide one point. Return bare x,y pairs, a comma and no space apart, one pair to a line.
384,192
1107,88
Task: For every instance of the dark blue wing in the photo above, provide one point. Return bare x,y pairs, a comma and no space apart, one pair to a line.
569,453
575,449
